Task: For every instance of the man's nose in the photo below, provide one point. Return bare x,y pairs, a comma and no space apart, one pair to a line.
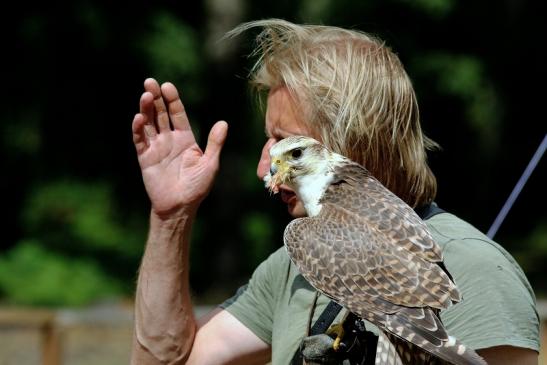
264,164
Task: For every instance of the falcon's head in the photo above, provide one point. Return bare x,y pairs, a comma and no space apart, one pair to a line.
304,165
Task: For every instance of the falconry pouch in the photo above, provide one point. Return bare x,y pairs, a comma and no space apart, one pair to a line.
359,345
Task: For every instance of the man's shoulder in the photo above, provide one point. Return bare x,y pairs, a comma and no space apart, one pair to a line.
279,256
278,260
458,238
447,227
498,306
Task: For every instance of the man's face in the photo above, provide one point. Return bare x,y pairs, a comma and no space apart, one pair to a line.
282,121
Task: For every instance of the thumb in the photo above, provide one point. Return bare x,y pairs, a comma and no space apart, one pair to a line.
216,139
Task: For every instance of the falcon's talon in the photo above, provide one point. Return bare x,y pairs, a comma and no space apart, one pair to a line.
338,330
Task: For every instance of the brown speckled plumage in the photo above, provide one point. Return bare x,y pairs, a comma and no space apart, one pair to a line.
371,253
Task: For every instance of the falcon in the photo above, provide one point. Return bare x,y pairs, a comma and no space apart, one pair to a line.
367,250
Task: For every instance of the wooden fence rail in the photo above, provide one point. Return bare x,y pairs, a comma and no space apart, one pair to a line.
40,320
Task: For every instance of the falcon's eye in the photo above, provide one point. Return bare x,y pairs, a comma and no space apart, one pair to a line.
296,153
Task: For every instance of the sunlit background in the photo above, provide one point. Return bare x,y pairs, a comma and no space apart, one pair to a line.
75,210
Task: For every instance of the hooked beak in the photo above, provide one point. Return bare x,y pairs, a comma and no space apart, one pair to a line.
279,174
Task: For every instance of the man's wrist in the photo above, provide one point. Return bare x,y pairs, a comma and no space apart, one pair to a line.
170,232
173,218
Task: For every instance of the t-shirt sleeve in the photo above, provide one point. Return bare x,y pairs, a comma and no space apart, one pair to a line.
498,306
254,303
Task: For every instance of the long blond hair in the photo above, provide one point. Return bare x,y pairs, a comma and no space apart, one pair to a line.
354,92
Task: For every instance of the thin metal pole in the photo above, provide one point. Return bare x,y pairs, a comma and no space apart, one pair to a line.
518,187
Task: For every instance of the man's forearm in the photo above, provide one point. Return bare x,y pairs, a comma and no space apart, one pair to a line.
164,321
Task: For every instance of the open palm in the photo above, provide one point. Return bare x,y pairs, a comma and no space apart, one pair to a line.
176,172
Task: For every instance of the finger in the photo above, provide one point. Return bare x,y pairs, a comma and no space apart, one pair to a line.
147,112
147,102
139,136
177,111
216,139
162,118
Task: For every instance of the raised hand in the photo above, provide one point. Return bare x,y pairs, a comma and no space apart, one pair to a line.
176,172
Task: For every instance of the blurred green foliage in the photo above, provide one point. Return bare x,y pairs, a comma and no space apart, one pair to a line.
172,52
77,212
71,240
30,274
259,235
82,211
434,8
464,77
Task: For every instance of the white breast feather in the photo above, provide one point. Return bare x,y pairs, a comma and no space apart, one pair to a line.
310,188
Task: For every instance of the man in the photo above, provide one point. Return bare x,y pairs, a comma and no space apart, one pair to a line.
350,91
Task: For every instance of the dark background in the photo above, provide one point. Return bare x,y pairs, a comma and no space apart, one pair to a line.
75,210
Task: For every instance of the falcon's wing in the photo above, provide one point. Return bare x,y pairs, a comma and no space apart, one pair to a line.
365,270
359,192
344,257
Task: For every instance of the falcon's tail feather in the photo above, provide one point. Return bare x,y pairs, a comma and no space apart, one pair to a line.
386,353
422,330
450,352
392,350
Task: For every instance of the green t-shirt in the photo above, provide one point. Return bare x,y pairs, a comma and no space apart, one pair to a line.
498,306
